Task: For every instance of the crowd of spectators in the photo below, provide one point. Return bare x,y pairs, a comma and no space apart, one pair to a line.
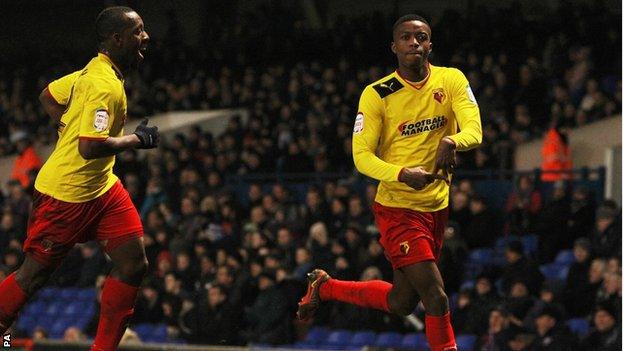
304,97
228,262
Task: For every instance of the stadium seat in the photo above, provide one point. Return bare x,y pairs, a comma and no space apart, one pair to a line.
530,243
481,256
316,336
87,295
69,294
389,339
466,342
26,323
74,308
565,257
363,338
337,339
554,271
35,308
501,243
48,294
159,333
414,341
54,308
579,326
144,330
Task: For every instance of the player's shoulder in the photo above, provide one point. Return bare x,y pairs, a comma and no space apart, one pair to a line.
446,72
385,86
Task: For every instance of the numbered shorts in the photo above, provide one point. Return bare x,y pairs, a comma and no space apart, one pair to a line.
55,226
409,236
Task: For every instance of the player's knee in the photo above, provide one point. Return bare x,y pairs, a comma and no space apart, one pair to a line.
134,270
436,297
402,308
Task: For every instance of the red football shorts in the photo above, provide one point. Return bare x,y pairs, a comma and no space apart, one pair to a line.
409,236
55,226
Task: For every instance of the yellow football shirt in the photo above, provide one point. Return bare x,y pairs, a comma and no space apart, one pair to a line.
95,109
400,124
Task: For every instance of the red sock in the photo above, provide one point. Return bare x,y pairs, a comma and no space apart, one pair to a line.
12,299
440,332
370,294
115,309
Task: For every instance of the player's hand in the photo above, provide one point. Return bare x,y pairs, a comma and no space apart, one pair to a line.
445,159
148,136
417,178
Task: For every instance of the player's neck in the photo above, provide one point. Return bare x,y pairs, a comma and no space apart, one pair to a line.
414,74
121,69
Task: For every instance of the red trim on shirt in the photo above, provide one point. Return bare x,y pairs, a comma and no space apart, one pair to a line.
417,85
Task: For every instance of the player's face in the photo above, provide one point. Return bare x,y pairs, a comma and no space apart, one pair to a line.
412,43
134,40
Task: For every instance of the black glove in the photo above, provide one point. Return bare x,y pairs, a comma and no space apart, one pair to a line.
149,136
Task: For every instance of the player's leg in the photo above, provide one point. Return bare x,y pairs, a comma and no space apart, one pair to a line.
426,278
121,235
19,286
53,229
403,298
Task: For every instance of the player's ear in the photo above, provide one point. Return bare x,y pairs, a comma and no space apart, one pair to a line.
117,39
393,47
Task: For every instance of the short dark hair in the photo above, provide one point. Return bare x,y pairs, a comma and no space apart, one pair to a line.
407,18
110,21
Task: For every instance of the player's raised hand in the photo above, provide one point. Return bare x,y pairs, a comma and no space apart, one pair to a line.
418,178
445,158
148,136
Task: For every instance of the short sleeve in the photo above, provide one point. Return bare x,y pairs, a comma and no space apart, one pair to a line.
96,118
60,89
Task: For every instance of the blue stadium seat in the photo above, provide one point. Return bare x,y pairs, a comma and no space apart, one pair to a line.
87,295
389,339
501,243
414,341
48,294
565,257
363,338
316,336
554,271
26,323
69,294
58,328
579,326
54,308
144,330
482,256
35,308
337,339
530,243
466,342
159,333
74,308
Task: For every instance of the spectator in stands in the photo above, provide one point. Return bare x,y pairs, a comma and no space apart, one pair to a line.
548,297
483,229
552,223
556,153
607,235
581,303
519,268
518,303
582,212
551,333
267,318
577,281
460,209
73,334
484,299
452,257
611,291
608,333
27,159
499,331
522,207
213,320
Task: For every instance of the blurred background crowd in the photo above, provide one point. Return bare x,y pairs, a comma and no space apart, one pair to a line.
229,266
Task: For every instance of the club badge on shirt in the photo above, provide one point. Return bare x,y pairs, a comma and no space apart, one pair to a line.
358,127
471,94
101,120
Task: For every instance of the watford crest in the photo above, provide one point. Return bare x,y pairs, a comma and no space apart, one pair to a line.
438,95
404,247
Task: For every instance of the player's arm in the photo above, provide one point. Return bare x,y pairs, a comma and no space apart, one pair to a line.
55,96
466,110
94,140
51,106
467,113
366,133
144,137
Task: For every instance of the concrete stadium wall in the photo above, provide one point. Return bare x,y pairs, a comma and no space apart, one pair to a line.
593,145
